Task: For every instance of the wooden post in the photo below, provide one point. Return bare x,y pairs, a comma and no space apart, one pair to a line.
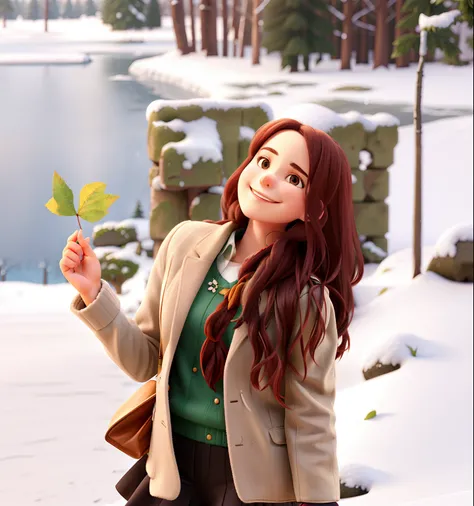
193,26
381,54
363,46
347,36
225,29
404,60
242,25
46,14
255,34
212,28
177,13
235,26
417,207
204,17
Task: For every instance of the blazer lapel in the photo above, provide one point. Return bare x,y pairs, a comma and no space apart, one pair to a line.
196,264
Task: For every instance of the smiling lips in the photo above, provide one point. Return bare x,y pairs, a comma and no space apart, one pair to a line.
263,197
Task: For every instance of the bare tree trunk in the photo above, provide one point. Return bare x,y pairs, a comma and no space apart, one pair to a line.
4,21
363,46
46,16
417,228
404,60
381,55
347,36
235,26
242,26
255,34
204,10
212,27
336,40
248,24
177,13
225,29
193,26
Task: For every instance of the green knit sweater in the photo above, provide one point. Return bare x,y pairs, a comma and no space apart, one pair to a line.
197,412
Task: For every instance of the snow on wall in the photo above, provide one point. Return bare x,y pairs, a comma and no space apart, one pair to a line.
325,119
446,245
202,141
246,133
206,104
141,225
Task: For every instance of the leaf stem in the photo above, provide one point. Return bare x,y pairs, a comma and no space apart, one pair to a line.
78,221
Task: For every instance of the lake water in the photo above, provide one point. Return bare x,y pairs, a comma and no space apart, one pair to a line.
76,120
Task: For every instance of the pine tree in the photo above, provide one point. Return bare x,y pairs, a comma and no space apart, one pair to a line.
53,11
77,9
467,11
153,14
138,213
296,28
33,11
91,8
442,38
68,11
124,14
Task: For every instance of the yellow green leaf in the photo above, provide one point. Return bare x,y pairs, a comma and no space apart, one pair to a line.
97,206
88,191
63,196
52,205
370,415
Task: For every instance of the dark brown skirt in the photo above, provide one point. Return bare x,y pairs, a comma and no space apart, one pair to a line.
206,478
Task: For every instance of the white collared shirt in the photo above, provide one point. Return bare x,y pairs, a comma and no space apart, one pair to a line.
227,269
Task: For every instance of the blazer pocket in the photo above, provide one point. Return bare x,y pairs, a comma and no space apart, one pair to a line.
277,435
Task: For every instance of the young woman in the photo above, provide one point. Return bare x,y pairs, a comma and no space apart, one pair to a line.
249,312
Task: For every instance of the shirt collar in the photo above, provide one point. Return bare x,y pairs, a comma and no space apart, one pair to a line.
229,249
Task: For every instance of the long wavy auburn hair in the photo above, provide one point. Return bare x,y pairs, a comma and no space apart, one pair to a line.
325,246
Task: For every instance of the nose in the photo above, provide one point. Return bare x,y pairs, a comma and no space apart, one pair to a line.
267,180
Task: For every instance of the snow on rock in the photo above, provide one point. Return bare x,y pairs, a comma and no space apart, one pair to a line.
443,20
325,119
202,141
354,475
148,244
44,59
395,350
374,249
141,225
206,104
246,133
446,245
157,185
217,190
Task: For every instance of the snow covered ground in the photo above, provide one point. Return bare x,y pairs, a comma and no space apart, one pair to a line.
237,78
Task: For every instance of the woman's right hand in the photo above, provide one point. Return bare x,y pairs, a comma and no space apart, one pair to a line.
81,267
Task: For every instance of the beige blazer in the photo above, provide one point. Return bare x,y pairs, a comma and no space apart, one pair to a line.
276,455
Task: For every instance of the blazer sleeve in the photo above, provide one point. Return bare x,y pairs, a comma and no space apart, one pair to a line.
310,421
133,344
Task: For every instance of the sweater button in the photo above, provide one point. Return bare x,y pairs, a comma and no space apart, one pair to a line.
195,369
209,437
216,401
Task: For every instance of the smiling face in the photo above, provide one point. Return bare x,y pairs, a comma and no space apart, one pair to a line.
271,189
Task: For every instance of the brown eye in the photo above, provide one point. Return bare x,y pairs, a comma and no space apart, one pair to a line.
263,163
295,180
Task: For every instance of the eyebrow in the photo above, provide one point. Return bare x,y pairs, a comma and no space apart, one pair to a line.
293,164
